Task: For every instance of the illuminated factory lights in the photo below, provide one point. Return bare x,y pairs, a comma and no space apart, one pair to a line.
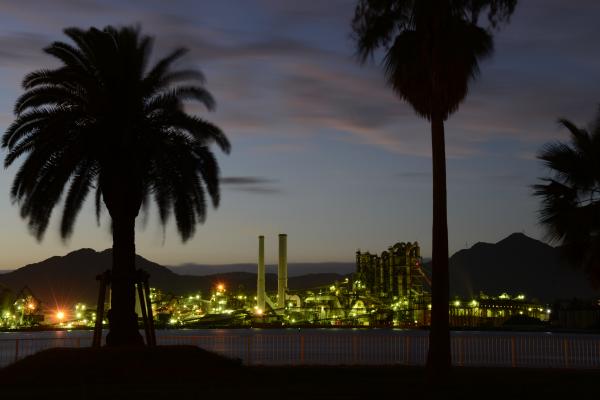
387,290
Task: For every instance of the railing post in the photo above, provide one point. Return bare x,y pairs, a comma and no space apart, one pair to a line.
407,350
566,352
16,350
513,351
461,351
301,349
354,349
248,350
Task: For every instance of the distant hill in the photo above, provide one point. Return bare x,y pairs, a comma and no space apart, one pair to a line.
516,264
294,269
64,280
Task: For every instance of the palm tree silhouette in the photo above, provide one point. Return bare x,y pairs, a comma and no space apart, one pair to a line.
432,51
103,120
570,198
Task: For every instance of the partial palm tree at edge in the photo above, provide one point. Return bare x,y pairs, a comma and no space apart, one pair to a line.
570,197
105,122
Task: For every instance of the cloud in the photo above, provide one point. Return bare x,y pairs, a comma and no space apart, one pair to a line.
20,48
270,80
245,180
251,184
258,189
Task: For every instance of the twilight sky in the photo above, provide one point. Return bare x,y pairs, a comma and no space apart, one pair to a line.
322,149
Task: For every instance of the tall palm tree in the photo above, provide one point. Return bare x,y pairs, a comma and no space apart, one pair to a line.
431,51
104,121
570,197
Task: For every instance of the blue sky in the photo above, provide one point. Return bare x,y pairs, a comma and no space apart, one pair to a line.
322,149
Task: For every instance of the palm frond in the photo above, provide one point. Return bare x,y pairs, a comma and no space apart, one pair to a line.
100,121
570,197
81,184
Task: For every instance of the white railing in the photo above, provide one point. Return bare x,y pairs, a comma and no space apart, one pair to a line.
358,348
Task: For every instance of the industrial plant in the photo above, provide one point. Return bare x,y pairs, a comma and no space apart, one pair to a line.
391,289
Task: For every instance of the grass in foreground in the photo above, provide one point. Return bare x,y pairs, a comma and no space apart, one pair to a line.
187,372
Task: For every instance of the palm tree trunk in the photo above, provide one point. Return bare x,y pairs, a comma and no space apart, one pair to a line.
438,359
123,321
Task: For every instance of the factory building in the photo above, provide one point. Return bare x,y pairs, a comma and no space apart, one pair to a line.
397,272
396,279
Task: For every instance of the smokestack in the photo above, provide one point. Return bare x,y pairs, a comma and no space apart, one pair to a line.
282,271
260,282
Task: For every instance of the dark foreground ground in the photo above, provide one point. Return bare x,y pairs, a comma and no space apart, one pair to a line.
185,372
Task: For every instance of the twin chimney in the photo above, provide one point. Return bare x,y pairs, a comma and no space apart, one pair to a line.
281,273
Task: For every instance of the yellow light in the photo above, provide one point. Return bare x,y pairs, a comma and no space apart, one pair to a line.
31,306
220,287
60,315
456,303
259,311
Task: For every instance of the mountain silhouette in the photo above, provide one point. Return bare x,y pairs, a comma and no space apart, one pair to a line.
62,281
516,264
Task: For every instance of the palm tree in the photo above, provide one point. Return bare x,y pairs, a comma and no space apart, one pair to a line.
103,120
432,50
570,197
